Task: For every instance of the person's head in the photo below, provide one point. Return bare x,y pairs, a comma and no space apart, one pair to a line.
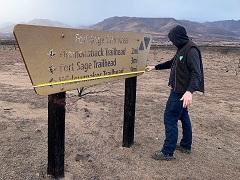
178,36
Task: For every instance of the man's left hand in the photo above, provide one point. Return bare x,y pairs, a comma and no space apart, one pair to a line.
187,99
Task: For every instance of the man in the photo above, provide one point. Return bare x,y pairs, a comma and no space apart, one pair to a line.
186,77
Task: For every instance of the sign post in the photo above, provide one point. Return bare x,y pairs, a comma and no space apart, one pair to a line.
56,134
129,111
64,59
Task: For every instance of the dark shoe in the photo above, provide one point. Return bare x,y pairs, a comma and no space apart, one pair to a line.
183,149
158,155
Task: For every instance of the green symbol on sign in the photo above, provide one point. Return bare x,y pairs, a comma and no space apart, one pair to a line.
180,58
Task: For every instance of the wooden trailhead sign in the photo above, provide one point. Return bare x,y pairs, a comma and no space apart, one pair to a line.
63,59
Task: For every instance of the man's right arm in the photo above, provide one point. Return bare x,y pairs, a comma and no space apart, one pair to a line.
165,65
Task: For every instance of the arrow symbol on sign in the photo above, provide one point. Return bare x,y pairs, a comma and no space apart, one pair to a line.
51,69
51,53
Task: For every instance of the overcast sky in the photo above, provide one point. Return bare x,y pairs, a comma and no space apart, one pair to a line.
87,12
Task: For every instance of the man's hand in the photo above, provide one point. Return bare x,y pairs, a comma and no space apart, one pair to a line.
187,99
149,68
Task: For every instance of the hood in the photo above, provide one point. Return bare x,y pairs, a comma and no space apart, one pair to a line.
178,36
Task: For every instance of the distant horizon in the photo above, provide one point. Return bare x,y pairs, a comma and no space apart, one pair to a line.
62,22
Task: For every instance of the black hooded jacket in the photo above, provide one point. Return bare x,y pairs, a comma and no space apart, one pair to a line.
186,66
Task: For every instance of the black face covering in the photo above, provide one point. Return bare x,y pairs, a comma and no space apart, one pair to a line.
178,36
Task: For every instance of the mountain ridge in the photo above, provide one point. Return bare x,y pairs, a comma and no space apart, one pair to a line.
226,30
216,31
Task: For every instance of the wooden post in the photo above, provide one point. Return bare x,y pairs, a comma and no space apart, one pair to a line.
129,111
56,134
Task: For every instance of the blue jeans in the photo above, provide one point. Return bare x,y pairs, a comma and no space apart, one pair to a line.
174,111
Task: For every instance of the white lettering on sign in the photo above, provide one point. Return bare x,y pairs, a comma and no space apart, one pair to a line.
97,40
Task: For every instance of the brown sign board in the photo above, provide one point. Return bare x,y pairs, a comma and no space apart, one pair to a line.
62,59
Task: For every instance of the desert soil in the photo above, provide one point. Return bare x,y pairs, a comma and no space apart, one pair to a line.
94,125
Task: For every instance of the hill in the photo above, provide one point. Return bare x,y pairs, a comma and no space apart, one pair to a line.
7,29
159,28
219,32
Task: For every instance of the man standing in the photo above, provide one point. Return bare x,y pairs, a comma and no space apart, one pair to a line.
186,77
